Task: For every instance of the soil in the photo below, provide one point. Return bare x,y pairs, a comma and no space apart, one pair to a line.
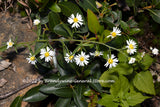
20,71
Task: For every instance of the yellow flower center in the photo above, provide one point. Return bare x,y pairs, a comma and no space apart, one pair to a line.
71,57
113,34
131,46
81,58
97,53
46,54
10,43
32,58
75,20
110,61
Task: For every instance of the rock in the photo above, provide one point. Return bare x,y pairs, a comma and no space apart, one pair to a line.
11,27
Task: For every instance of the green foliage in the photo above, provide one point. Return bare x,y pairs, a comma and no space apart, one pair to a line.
69,8
87,4
54,19
63,30
93,23
17,102
135,98
63,102
143,81
55,8
146,62
107,79
155,15
33,95
122,85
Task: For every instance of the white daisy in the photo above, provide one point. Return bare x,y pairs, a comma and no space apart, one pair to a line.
36,22
116,31
155,51
31,59
96,53
132,60
69,57
143,54
81,59
9,43
131,46
47,54
112,61
75,21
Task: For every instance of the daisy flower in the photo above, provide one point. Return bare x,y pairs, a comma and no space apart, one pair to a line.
31,59
47,54
36,22
131,45
81,59
132,60
9,44
143,54
75,21
69,57
116,31
112,61
155,51
96,53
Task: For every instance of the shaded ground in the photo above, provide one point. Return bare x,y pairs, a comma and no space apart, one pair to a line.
20,71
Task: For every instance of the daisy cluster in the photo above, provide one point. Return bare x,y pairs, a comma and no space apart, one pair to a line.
46,53
82,59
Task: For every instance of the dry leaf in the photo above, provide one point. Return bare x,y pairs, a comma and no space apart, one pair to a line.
4,64
2,82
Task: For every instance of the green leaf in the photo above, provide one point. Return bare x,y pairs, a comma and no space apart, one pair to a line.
63,102
54,7
122,57
123,68
155,15
69,8
54,19
146,62
120,87
135,98
108,101
44,20
109,21
17,102
130,3
124,26
88,4
93,23
88,92
107,79
3,48
105,34
143,81
77,95
95,86
61,30
33,95
134,31
58,86
63,92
